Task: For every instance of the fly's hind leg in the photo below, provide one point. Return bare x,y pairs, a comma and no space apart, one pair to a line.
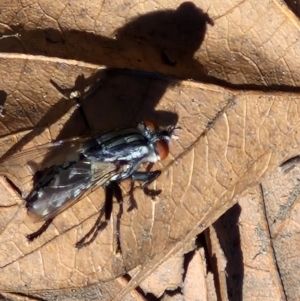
117,193
95,230
40,231
132,200
111,190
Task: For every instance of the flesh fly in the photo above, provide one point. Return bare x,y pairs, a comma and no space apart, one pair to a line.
81,164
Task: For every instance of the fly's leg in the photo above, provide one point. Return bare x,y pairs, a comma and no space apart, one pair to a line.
149,166
112,190
98,227
147,178
81,110
47,223
132,201
40,231
117,193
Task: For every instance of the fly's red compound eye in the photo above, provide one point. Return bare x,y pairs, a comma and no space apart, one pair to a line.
152,126
162,149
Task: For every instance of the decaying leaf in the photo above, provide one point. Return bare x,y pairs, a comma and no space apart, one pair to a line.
233,135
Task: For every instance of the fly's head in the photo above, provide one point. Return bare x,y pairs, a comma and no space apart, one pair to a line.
159,137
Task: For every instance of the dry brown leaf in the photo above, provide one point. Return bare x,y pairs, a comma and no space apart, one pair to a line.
230,139
281,201
167,276
251,266
195,287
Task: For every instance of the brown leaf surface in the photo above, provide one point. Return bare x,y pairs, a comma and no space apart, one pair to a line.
230,139
196,271
252,42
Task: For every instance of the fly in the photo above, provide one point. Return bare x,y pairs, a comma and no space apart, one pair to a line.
86,163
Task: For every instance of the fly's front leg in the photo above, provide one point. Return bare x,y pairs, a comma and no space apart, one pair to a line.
147,178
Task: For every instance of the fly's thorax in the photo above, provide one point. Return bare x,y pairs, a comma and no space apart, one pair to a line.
113,137
117,138
131,144
124,145
152,155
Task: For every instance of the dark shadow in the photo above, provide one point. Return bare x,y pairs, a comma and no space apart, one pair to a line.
227,229
50,117
294,6
3,98
123,97
161,41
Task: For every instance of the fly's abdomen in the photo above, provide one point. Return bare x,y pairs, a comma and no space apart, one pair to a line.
57,187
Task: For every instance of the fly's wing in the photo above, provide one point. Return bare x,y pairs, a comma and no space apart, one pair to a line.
20,167
69,186
61,150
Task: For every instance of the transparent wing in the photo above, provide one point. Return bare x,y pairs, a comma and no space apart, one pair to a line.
20,167
69,187
59,151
